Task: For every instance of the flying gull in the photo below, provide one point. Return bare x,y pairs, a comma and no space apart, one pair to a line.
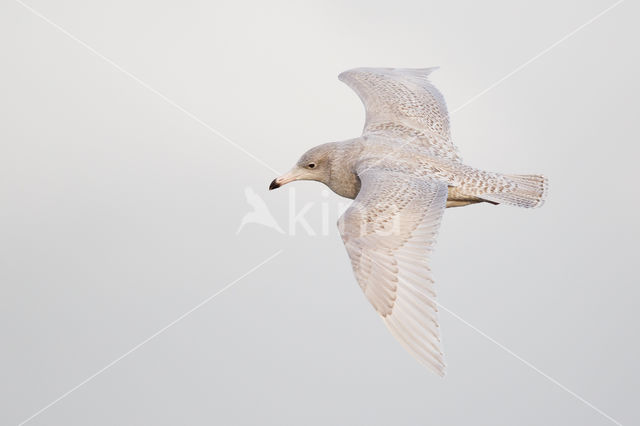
402,172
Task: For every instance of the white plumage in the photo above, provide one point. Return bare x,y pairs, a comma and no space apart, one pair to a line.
403,172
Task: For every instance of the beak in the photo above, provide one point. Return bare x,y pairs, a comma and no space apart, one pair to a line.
290,176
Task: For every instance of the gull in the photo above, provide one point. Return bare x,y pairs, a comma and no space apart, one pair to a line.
402,172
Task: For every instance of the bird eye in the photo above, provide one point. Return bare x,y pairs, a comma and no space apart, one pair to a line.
311,165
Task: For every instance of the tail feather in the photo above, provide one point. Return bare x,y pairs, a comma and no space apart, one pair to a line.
529,191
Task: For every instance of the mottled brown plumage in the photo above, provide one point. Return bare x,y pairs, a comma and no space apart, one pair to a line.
403,171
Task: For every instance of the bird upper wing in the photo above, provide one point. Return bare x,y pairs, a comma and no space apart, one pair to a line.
402,104
389,232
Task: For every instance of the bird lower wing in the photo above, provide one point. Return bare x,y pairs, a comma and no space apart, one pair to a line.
389,232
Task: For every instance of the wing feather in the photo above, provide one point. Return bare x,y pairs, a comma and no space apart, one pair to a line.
403,105
389,232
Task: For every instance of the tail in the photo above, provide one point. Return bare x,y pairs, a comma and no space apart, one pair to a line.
529,191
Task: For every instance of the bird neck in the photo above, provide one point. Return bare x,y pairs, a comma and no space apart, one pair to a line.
343,179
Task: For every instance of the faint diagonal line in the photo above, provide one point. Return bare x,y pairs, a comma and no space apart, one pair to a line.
518,357
507,76
147,86
528,364
542,53
154,335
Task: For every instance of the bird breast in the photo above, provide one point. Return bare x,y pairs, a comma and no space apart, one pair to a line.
344,182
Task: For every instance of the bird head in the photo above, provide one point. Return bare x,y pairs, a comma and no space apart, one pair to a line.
314,164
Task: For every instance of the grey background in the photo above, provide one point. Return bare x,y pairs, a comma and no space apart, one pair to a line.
118,213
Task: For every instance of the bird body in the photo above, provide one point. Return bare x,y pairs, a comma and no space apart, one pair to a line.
402,173
350,160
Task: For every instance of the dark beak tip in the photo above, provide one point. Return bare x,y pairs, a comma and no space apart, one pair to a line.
274,185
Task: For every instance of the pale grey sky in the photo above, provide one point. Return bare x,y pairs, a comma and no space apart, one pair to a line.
119,212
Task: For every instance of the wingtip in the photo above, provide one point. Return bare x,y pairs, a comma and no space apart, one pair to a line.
344,74
439,369
429,70
416,71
